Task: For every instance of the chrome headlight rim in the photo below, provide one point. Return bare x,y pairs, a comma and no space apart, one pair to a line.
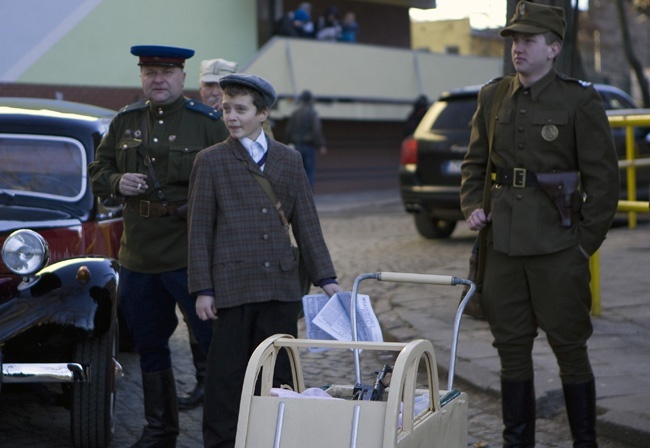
25,252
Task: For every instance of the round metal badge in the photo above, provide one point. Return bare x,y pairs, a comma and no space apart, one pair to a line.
550,132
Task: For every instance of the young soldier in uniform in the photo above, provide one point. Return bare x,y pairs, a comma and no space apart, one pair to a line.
146,159
242,266
553,200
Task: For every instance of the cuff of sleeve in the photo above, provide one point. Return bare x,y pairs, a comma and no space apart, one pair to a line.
205,292
326,281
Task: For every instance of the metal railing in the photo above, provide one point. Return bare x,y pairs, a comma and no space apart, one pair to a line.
628,119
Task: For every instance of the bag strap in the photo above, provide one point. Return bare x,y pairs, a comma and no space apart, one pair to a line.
148,161
266,186
482,235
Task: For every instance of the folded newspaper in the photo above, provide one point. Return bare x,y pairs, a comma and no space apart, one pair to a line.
329,318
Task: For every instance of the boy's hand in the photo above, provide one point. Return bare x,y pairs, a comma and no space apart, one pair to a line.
206,308
331,289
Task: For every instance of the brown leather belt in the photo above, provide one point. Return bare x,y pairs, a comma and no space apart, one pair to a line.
147,209
517,177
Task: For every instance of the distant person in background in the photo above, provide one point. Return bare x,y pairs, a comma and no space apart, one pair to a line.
212,70
304,131
420,108
349,28
328,27
302,20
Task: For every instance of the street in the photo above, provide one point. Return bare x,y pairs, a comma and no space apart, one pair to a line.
378,236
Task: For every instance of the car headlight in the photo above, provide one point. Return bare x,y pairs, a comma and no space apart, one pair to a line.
25,252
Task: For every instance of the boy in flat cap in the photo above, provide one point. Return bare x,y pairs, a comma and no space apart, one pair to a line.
145,160
242,266
554,197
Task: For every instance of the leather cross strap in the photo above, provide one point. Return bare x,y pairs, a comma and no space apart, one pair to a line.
148,161
482,235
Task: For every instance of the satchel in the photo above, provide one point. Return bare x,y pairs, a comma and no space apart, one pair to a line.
474,307
305,284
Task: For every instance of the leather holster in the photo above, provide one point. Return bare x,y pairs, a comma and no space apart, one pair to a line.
561,186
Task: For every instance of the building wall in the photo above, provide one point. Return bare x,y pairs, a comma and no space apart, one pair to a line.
445,36
602,49
94,49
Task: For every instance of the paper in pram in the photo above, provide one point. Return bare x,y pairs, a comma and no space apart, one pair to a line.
329,318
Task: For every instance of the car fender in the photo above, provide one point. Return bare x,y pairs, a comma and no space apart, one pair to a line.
79,292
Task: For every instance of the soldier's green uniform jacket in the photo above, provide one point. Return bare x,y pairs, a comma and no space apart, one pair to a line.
176,133
557,124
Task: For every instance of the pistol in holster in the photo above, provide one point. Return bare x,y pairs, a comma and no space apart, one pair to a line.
561,187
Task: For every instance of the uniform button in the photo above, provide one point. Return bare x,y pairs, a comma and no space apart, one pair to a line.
267,264
518,197
520,129
160,122
265,210
265,237
521,146
186,149
525,92
155,140
522,111
160,111
125,146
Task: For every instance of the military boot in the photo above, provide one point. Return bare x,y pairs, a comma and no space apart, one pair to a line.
580,400
518,406
160,410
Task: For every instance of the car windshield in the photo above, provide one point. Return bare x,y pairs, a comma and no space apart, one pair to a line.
43,166
453,113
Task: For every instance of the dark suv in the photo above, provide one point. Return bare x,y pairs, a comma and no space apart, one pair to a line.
59,274
429,172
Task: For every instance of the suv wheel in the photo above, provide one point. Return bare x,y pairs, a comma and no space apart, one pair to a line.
433,228
93,402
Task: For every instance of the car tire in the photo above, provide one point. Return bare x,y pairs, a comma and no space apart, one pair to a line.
433,228
93,402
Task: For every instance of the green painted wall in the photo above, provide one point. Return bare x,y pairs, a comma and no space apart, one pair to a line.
97,51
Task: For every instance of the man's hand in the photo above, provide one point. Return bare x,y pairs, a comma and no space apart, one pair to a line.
477,220
133,184
206,308
331,289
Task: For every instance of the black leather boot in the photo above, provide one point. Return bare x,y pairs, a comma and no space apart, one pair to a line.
160,410
200,359
580,402
518,406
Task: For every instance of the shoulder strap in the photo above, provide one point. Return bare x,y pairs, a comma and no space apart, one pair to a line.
482,236
266,186
498,98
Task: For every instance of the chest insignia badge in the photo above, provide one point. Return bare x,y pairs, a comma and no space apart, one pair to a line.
550,132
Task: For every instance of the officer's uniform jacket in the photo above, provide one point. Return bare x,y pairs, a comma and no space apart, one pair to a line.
238,245
176,133
557,124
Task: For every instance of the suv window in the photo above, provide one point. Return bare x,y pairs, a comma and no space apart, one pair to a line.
451,112
613,101
43,166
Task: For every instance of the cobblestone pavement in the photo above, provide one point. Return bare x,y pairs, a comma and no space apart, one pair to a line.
376,237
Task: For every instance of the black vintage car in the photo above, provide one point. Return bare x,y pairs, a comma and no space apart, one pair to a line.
59,274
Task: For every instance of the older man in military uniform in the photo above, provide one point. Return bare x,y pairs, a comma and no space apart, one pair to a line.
552,202
146,159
